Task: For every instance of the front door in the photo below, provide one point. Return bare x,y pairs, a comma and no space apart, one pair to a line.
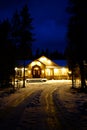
36,71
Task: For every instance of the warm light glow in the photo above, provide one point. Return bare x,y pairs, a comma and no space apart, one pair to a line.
47,71
38,63
69,72
16,68
49,62
43,71
56,71
29,71
36,68
35,63
43,59
25,68
63,70
22,69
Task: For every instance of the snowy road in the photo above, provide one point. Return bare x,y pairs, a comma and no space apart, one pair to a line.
42,106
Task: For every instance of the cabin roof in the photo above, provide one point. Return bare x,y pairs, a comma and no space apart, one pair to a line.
43,60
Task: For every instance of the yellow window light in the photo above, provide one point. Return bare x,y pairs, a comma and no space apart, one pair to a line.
47,71
64,70
55,70
36,68
29,71
43,71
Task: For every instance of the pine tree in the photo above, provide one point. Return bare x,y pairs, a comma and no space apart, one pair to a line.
7,56
76,36
26,36
22,35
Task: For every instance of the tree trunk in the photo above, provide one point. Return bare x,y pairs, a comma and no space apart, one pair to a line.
82,73
73,78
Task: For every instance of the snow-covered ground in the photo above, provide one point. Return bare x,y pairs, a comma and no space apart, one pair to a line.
47,104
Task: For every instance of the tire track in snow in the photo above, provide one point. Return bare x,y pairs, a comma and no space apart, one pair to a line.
32,116
11,121
53,122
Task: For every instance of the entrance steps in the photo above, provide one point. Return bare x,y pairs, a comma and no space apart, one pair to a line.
36,80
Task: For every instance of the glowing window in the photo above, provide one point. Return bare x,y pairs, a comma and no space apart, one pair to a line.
42,71
29,71
56,71
63,71
36,68
47,71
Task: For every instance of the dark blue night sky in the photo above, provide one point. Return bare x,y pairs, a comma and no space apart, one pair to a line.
49,20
